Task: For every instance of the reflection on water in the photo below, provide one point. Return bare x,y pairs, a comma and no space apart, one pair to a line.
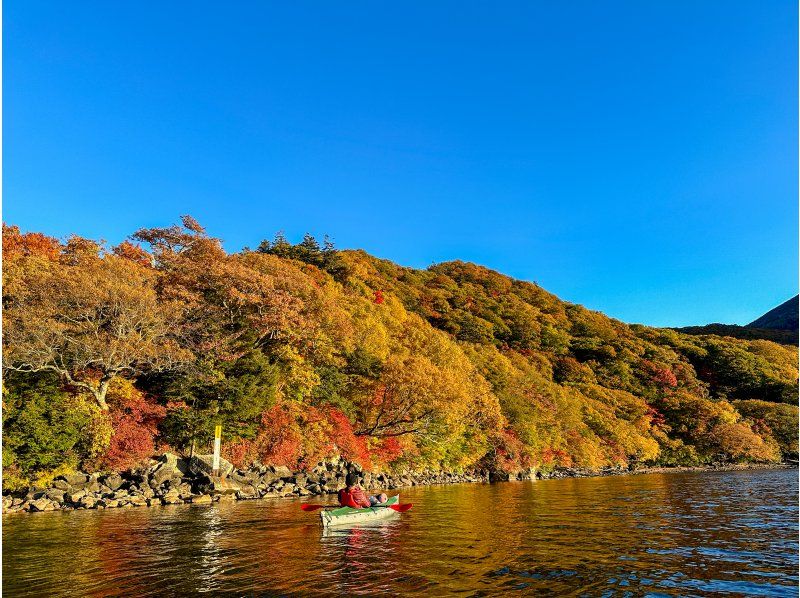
671,534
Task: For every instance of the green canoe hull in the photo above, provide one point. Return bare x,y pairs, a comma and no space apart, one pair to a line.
348,515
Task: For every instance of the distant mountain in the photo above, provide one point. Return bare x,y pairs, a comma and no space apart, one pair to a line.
779,325
783,317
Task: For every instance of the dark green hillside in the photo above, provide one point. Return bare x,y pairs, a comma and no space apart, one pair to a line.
783,317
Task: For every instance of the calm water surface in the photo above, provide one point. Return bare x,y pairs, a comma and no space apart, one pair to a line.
671,534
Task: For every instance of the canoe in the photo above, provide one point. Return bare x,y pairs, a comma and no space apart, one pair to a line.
347,515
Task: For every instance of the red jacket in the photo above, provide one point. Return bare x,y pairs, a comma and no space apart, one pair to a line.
353,497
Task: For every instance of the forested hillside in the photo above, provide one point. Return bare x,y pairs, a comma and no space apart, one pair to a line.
302,351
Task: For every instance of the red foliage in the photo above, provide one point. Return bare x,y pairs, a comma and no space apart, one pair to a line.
761,428
297,435
656,418
279,441
343,438
661,375
378,297
551,456
135,420
240,452
511,454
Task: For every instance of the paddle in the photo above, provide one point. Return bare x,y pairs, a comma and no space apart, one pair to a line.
402,508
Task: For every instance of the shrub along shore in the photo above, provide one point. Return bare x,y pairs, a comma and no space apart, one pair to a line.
171,480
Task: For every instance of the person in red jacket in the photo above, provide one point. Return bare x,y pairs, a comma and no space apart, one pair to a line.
355,497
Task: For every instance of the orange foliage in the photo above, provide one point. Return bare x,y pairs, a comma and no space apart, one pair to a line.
28,244
135,253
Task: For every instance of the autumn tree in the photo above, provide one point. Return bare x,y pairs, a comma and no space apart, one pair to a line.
87,315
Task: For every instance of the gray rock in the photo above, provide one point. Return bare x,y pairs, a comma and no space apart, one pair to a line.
41,504
282,471
246,493
34,494
172,497
114,481
202,464
217,485
87,502
138,501
55,495
76,480
62,485
169,467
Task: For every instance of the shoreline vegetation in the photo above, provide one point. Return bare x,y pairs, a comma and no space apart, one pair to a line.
306,354
172,480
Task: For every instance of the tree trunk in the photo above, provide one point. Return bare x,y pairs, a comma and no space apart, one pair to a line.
100,393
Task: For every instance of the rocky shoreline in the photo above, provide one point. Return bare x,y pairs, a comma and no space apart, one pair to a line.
172,480
569,472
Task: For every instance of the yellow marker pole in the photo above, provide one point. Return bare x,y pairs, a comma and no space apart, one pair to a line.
217,439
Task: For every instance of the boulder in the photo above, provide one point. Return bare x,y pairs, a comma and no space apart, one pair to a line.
268,477
76,480
138,500
87,502
169,467
61,484
208,484
202,499
246,493
282,471
245,477
200,464
75,497
114,481
41,504
55,495
173,461
172,497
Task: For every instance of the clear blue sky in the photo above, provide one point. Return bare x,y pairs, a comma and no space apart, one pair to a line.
639,158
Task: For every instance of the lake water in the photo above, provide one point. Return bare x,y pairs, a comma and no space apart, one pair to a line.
659,534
